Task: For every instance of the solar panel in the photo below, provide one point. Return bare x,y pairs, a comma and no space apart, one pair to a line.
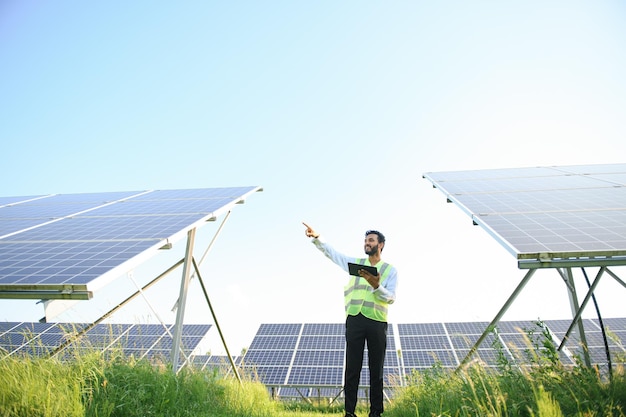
322,343
431,342
138,340
546,213
326,329
319,358
466,341
267,357
419,329
316,375
269,375
614,323
423,345
68,245
279,329
275,343
310,355
466,328
424,359
217,363
616,338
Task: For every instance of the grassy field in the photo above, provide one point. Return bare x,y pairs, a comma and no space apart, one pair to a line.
89,385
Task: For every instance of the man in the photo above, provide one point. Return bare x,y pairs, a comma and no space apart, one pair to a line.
367,297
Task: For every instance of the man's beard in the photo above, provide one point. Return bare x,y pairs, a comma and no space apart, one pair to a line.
373,250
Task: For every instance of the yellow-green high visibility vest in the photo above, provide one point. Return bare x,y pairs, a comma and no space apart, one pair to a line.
358,296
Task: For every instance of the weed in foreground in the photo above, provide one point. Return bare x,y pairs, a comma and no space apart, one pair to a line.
542,387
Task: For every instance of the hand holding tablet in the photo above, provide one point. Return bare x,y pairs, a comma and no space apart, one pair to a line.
354,269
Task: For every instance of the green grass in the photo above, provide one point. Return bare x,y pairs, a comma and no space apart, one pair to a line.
89,385
478,391
544,387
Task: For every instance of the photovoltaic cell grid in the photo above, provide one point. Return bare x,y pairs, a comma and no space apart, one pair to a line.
308,356
616,335
136,340
311,356
219,363
423,345
447,344
63,242
545,212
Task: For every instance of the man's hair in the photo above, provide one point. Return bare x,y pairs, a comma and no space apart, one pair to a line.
381,237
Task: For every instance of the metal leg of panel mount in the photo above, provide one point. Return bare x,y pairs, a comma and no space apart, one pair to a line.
611,273
607,351
577,310
191,270
206,295
182,298
497,318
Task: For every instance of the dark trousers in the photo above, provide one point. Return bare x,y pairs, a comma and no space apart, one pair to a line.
360,329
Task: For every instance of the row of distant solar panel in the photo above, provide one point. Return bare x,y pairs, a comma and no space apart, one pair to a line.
320,363
137,340
309,354
313,354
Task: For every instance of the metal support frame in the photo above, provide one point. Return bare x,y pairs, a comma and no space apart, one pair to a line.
577,309
190,271
607,350
182,298
219,329
498,316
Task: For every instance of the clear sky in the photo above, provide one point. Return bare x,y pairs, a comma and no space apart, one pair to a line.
336,109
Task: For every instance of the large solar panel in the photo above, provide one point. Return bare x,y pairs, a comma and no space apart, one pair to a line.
546,213
153,341
308,359
69,245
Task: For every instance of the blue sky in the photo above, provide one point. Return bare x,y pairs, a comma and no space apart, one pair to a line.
335,109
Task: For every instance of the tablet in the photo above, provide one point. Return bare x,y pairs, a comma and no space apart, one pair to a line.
354,269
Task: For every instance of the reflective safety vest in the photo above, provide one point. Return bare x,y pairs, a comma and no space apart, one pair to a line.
358,296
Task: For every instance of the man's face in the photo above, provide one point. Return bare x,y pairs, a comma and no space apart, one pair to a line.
372,247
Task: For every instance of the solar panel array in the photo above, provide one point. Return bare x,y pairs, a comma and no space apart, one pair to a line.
545,213
137,340
308,359
55,246
308,356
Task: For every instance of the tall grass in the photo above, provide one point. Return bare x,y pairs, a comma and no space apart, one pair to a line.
33,387
92,386
543,387
478,391
88,384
